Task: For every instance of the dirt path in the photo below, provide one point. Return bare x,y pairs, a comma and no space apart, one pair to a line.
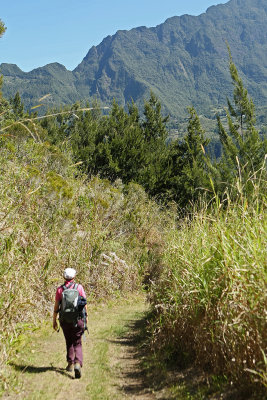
116,365
111,369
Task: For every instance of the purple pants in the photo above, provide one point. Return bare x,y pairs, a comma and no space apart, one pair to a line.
73,337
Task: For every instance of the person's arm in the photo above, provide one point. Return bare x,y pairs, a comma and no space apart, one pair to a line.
56,309
82,293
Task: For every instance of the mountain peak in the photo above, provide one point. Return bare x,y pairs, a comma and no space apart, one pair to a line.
183,60
10,69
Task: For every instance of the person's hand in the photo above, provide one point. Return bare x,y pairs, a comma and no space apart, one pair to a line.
55,325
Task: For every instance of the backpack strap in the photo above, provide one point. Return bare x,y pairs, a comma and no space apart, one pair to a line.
64,287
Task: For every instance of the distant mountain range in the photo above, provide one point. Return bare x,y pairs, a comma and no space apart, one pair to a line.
184,61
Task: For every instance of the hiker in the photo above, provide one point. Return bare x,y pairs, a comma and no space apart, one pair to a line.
70,303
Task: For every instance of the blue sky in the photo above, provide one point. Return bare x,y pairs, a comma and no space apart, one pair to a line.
44,31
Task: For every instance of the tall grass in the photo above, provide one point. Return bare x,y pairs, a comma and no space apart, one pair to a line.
211,298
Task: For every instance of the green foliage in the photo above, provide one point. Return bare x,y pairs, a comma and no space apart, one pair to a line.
118,146
190,178
154,124
122,145
243,149
17,106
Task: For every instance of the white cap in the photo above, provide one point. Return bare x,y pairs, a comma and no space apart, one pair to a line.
69,273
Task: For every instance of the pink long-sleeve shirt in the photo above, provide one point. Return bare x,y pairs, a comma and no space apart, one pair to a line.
69,284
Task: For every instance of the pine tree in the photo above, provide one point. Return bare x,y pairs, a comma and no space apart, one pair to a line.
17,106
154,125
125,140
243,150
193,178
111,146
155,174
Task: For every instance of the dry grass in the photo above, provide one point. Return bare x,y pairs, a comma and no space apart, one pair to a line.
211,298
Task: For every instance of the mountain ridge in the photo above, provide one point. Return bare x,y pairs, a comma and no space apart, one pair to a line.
184,61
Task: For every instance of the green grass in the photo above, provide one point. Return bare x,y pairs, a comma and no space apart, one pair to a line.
100,374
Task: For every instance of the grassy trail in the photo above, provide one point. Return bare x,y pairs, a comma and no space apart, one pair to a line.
110,371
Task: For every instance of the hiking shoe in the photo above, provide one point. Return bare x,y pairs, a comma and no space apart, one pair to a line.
77,370
69,367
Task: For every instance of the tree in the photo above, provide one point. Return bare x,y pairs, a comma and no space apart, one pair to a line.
155,173
243,149
122,142
190,175
17,106
194,172
154,125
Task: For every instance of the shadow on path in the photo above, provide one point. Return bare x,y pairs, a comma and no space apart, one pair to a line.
38,370
134,376
144,373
